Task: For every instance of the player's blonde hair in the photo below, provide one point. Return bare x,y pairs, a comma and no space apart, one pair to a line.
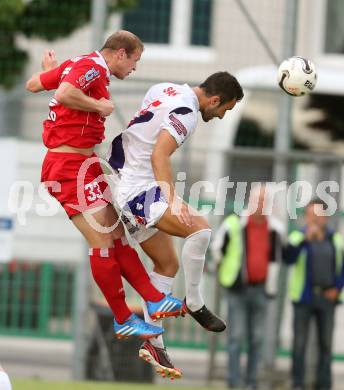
124,40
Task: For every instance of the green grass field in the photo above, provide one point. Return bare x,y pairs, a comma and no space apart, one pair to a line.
43,385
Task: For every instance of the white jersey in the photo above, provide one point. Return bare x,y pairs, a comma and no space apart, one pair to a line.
166,106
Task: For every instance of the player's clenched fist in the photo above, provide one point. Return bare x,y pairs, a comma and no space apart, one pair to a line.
105,107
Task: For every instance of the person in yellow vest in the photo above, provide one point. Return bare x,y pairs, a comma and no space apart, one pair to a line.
244,248
317,278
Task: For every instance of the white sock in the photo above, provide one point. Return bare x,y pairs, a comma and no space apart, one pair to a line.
193,257
5,383
164,285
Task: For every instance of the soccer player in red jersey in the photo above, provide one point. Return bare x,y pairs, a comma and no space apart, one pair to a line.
73,175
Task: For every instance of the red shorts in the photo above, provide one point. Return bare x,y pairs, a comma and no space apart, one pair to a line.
76,181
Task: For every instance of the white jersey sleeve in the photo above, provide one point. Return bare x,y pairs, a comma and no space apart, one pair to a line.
180,122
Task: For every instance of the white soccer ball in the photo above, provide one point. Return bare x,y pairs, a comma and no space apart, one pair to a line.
297,76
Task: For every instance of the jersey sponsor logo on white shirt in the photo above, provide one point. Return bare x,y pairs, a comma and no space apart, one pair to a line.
170,91
178,125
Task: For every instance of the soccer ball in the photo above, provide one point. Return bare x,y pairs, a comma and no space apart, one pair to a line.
297,76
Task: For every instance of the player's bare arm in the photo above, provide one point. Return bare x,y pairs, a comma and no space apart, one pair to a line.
163,149
74,98
49,62
161,164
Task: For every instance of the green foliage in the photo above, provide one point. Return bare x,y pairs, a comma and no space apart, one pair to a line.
251,134
45,19
9,11
42,19
332,121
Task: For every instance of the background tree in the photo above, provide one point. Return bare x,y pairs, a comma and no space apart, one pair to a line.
45,19
333,119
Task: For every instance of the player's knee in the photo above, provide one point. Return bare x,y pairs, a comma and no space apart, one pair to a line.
201,224
173,268
167,269
201,238
101,240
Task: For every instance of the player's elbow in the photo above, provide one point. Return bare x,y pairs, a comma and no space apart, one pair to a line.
32,85
155,159
63,94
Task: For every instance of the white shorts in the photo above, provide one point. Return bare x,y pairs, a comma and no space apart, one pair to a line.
140,208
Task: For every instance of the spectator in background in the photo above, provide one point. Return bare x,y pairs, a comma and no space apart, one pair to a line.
5,383
316,281
244,248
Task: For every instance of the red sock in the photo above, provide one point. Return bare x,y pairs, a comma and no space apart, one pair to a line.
135,273
106,273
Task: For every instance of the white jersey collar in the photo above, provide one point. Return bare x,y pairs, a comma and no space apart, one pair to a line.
194,96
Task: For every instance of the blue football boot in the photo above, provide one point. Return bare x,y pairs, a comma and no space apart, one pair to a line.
168,306
135,327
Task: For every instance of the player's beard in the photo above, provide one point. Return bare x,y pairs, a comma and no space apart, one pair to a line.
207,114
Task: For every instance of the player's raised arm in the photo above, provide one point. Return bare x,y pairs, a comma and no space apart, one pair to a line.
49,63
34,83
74,98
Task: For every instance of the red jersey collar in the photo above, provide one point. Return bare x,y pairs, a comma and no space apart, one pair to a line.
103,63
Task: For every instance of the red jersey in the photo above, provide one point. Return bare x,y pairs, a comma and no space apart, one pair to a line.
258,251
76,128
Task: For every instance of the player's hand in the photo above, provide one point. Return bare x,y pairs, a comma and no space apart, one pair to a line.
331,294
49,60
184,216
105,107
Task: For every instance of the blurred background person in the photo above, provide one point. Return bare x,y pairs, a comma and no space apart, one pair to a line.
244,247
316,253
5,383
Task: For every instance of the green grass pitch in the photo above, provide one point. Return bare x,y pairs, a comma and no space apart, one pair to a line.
43,385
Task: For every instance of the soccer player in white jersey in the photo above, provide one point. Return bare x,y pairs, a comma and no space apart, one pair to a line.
144,191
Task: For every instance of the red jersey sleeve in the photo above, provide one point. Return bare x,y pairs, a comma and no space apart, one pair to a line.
51,78
83,74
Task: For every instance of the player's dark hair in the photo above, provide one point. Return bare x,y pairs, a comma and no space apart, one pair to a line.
123,40
224,85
